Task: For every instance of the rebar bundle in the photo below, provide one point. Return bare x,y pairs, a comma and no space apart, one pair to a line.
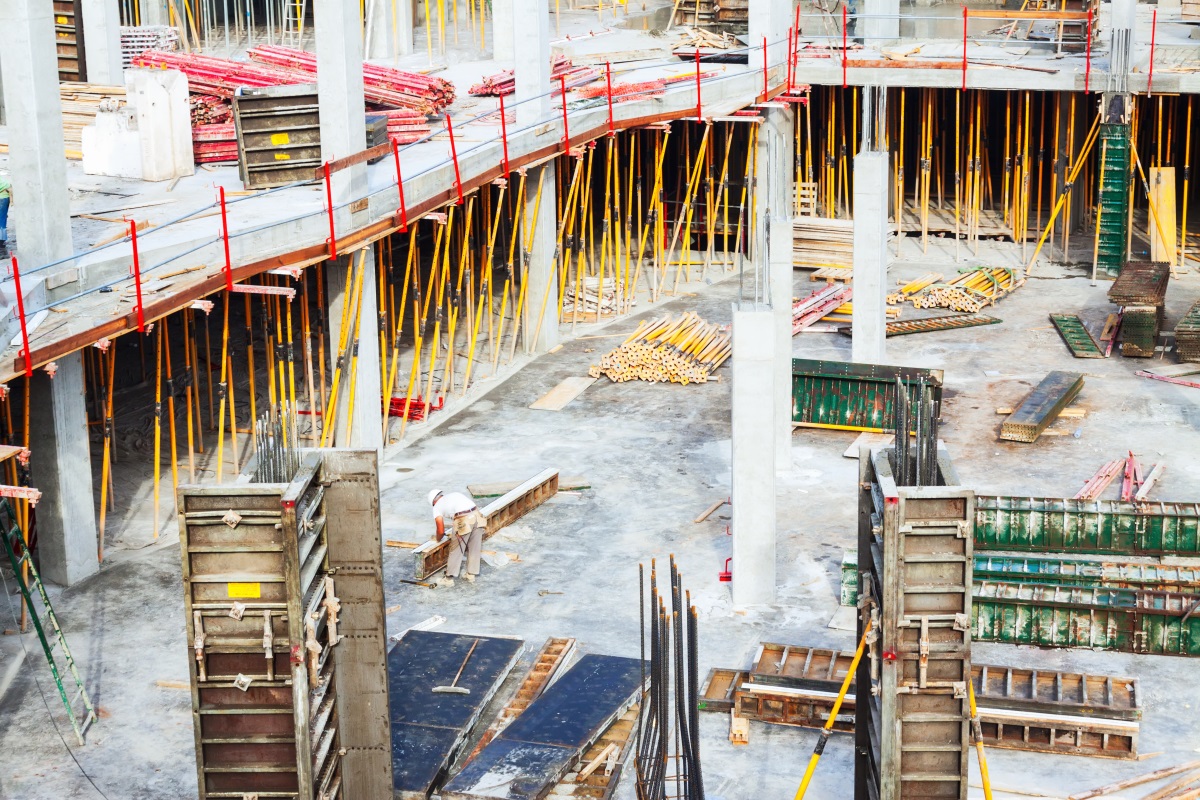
668,733
684,350
915,462
275,440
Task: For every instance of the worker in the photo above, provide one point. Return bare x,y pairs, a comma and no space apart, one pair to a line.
466,533
5,199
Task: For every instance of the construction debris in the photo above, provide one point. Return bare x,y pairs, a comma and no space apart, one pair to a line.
1042,406
971,292
684,350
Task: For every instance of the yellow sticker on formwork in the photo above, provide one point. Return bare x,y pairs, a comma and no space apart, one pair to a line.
61,20
280,138
251,590
282,157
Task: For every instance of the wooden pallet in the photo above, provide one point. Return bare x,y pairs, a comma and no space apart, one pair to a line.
549,662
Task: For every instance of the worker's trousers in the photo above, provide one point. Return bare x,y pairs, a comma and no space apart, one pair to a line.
466,539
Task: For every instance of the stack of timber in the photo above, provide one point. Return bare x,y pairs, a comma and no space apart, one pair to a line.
1141,290
1187,334
1041,406
587,301
970,292
80,103
208,109
725,15
1020,709
137,40
684,350
819,242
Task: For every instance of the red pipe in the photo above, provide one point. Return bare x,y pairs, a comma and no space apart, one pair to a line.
329,205
608,89
21,314
400,186
504,135
562,83
454,157
766,93
137,275
964,69
225,236
788,71
845,44
699,108
1153,30
1087,70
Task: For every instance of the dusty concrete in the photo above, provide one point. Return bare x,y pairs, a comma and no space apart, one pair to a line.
656,455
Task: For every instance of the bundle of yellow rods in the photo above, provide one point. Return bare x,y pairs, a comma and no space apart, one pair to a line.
971,291
676,350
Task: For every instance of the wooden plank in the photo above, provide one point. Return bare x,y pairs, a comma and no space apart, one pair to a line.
719,687
870,440
557,398
1162,195
601,783
431,557
571,483
1173,370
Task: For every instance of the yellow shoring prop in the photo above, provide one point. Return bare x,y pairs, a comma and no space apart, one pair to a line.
1062,198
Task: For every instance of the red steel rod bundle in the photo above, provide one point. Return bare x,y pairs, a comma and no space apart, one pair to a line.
503,83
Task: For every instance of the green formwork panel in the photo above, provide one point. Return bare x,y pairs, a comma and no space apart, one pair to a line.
1101,527
1104,618
860,397
1050,570
1114,196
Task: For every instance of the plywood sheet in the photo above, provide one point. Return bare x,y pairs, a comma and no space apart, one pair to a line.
557,398
1162,195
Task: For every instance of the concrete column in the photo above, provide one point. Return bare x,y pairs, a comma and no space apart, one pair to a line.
871,179
774,196
367,429
753,477
153,12
382,29
102,41
541,296
340,93
61,466
770,18
530,26
502,30
881,24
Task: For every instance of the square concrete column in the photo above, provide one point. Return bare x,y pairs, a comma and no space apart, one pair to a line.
340,93
502,30
881,22
530,24
153,12
367,429
61,466
770,18
871,179
773,188
753,477
383,29
541,275
102,35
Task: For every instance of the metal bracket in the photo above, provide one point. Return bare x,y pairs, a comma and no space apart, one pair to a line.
198,645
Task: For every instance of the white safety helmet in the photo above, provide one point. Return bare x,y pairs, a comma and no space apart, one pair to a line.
434,494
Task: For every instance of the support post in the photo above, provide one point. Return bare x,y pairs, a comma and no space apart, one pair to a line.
367,430
871,179
881,22
773,196
770,19
340,93
753,478
102,32
530,25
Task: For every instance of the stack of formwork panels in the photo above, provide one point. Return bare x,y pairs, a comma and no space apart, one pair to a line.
1187,334
1141,289
283,594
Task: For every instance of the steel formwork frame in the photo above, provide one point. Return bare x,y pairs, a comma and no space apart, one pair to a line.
915,551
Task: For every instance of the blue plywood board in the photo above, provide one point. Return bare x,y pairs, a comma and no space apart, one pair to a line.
428,728
538,748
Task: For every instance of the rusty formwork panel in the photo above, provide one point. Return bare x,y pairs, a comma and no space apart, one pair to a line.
283,596
915,550
1141,283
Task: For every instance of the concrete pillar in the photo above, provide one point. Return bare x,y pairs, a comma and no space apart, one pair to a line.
530,26
340,93
502,30
541,296
61,466
753,477
153,12
367,429
871,179
102,41
881,22
383,29
774,197
770,18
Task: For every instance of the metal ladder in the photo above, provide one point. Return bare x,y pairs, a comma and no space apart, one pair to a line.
1114,197
10,532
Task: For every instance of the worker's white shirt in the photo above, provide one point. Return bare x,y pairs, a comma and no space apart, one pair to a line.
450,504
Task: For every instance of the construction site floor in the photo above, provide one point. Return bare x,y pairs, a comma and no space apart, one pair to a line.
655,457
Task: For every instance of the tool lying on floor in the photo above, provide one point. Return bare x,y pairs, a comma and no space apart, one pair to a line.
454,688
426,584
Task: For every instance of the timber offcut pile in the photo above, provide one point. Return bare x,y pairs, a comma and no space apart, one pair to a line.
822,242
682,350
80,102
1187,334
